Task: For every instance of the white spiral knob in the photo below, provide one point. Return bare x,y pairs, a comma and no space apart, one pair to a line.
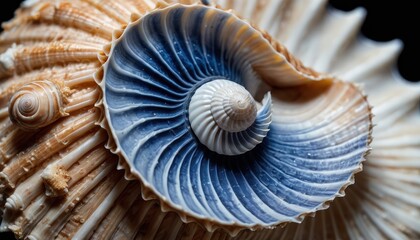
35,105
232,106
225,118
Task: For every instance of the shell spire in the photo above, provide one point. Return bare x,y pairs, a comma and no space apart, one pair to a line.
224,117
36,105
182,87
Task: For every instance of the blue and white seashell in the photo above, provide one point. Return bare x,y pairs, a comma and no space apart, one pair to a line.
169,90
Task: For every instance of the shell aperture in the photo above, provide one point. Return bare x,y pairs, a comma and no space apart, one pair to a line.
307,157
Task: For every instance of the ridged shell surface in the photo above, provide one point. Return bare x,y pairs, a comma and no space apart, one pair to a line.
223,116
306,159
58,181
36,105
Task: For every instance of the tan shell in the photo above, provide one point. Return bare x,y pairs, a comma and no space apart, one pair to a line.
36,104
66,42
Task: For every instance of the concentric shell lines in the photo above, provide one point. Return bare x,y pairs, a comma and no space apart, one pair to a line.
264,186
36,105
224,117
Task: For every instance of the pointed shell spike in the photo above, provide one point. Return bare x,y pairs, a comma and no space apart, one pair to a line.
36,105
222,113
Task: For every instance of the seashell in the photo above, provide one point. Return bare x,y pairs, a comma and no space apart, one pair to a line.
223,115
36,104
161,71
153,138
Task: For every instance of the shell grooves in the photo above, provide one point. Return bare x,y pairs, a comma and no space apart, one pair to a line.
167,148
221,133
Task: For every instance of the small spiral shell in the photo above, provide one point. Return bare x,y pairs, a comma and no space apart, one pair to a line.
36,105
223,116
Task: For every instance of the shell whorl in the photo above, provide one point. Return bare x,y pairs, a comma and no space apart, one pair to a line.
160,85
36,105
223,116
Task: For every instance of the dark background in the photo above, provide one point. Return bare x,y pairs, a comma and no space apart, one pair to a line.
386,20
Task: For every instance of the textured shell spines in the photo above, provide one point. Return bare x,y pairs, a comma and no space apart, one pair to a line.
149,193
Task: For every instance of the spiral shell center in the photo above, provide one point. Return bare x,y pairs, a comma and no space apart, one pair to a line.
28,105
36,105
233,108
222,115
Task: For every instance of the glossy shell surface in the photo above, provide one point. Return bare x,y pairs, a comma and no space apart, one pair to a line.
223,115
58,181
153,75
36,105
